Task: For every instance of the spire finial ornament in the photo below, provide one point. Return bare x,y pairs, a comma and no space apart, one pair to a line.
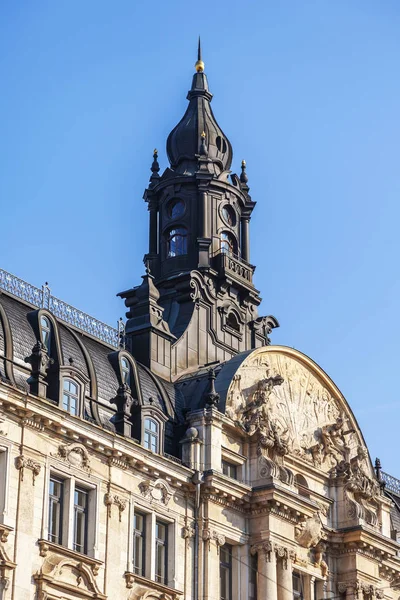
199,66
155,167
243,176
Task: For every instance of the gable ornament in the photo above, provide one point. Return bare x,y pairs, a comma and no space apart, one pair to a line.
74,455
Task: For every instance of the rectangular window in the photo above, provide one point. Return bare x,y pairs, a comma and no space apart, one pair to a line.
56,501
297,586
80,520
229,469
139,547
225,572
161,552
253,577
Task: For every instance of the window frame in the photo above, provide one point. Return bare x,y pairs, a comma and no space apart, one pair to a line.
80,510
45,329
229,467
161,543
61,508
69,394
171,205
142,535
177,231
230,240
226,567
71,483
152,434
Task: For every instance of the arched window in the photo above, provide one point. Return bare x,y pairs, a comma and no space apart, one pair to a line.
125,371
175,208
70,396
177,241
232,321
302,486
228,243
45,330
151,435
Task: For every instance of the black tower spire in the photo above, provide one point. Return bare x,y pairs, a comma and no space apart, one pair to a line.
199,249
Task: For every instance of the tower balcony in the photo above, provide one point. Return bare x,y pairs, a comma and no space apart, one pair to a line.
231,265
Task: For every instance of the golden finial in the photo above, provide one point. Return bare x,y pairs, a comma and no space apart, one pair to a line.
199,66
243,163
155,152
203,135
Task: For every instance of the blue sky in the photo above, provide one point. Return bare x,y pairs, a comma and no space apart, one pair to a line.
308,93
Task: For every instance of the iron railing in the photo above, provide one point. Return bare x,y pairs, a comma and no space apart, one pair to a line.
391,483
42,298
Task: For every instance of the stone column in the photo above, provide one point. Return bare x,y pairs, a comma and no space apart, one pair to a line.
245,239
153,228
284,571
267,576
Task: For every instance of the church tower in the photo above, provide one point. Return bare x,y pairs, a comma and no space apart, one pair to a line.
197,304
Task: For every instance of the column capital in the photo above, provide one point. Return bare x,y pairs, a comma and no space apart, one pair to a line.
265,548
285,554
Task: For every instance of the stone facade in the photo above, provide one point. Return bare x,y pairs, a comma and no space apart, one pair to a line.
138,470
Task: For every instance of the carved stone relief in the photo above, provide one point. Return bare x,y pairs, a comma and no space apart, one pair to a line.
111,499
63,573
361,491
309,533
22,463
156,491
75,455
287,405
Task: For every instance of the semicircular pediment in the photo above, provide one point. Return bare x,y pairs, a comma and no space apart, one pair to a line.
295,408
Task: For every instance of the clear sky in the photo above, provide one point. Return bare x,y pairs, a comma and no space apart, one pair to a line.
308,93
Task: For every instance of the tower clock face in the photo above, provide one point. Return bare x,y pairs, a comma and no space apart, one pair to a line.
229,215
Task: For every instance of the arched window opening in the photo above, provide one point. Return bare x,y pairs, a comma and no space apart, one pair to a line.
151,435
175,208
302,485
45,330
229,215
71,396
232,321
125,371
221,144
228,243
176,241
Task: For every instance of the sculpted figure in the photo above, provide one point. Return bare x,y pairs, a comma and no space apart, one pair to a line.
333,439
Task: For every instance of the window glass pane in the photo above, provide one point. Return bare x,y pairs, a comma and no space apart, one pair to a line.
55,511
177,241
45,331
225,570
139,544
80,520
70,396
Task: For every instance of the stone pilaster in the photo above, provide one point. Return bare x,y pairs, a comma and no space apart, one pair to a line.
284,572
267,575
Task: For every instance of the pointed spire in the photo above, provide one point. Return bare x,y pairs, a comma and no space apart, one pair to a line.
199,66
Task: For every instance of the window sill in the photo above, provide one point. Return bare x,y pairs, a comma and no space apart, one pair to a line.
132,578
46,546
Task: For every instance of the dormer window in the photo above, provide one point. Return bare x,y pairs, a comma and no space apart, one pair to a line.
176,242
125,371
45,331
151,435
70,400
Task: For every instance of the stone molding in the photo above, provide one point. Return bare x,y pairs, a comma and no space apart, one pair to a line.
143,588
22,463
6,565
209,535
360,589
59,569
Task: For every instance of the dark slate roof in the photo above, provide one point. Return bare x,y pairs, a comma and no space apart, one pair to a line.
194,386
74,344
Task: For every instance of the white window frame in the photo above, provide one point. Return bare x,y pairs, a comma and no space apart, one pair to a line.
4,480
150,544
70,483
